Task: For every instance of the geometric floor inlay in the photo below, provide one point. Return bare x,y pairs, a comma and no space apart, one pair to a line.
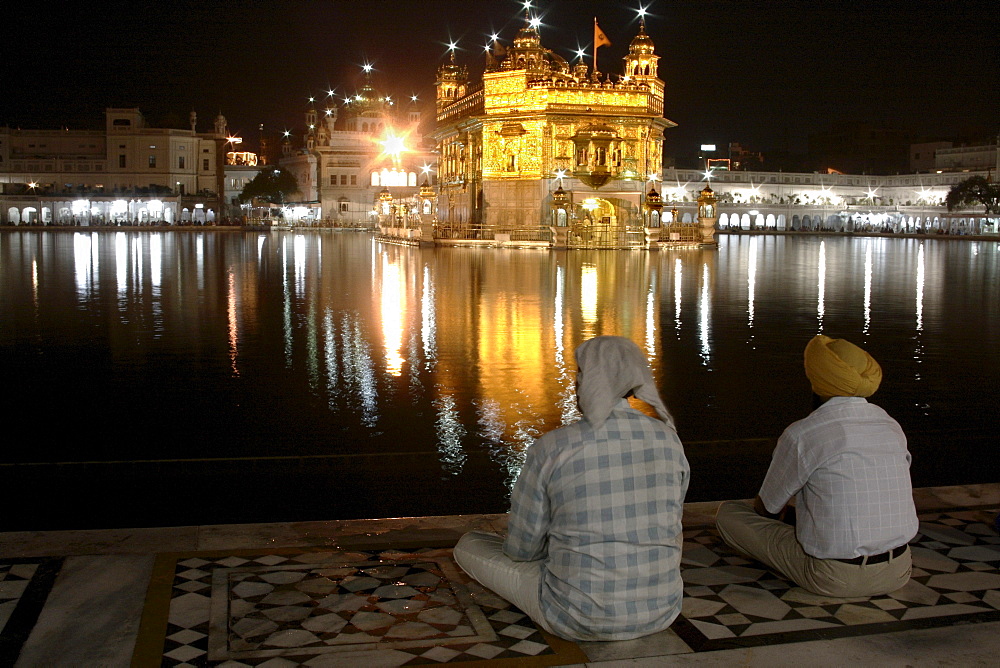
415,606
733,602
397,607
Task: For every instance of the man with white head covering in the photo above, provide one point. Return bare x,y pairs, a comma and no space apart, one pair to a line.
594,541
848,468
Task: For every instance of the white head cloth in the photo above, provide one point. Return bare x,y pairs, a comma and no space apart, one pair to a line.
611,367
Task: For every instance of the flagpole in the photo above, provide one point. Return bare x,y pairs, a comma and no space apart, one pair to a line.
595,46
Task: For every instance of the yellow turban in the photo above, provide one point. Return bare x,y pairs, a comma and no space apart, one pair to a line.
838,368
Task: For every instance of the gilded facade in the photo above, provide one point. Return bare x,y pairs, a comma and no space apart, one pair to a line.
537,131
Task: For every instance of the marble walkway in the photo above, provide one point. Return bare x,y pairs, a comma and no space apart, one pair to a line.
387,593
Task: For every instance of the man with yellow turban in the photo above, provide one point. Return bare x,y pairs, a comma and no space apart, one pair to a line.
848,469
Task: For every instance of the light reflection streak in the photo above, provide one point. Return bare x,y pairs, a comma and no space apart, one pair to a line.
137,264
428,322
821,297
156,278
81,258
568,411
287,302
678,276
868,288
299,260
121,263
920,288
260,248
330,355
751,279
450,433
705,325
95,259
34,283
232,323
651,318
359,371
588,297
200,253
155,261
392,316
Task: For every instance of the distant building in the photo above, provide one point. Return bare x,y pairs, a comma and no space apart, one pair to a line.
351,154
922,155
126,173
968,158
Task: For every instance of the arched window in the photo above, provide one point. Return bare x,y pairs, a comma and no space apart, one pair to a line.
411,179
375,179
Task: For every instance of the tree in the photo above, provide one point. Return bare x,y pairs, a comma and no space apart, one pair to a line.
973,191
271,185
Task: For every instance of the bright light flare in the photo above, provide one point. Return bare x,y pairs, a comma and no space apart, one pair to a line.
393,145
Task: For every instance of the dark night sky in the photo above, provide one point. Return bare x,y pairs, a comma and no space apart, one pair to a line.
763,73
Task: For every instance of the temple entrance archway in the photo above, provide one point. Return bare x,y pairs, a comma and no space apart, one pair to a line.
604,223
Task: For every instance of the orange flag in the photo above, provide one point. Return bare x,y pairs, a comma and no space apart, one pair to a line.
600,39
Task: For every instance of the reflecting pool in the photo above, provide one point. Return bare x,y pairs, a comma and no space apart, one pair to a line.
207,376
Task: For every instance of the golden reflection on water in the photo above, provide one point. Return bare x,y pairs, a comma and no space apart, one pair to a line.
393,308
232,322
588,297
485,336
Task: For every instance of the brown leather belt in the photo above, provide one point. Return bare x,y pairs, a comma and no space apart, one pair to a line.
876,558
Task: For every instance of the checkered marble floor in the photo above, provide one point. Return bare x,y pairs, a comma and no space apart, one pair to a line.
397,607
732,602
414,606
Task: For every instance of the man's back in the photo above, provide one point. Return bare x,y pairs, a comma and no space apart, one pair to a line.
614,540
848,467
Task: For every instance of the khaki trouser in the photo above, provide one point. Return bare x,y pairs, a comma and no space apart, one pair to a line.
773,543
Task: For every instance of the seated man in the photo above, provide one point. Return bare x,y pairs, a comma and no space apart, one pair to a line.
593,548
847,466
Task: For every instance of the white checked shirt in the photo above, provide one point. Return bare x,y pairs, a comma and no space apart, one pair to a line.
603,509
848,467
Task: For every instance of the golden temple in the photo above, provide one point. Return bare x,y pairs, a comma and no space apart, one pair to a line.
538,142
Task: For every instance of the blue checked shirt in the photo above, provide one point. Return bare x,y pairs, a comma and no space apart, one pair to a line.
602,508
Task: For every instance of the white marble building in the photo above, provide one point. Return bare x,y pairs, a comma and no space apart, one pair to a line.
126,173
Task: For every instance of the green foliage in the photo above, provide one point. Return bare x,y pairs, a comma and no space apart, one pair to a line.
271,185
973,191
